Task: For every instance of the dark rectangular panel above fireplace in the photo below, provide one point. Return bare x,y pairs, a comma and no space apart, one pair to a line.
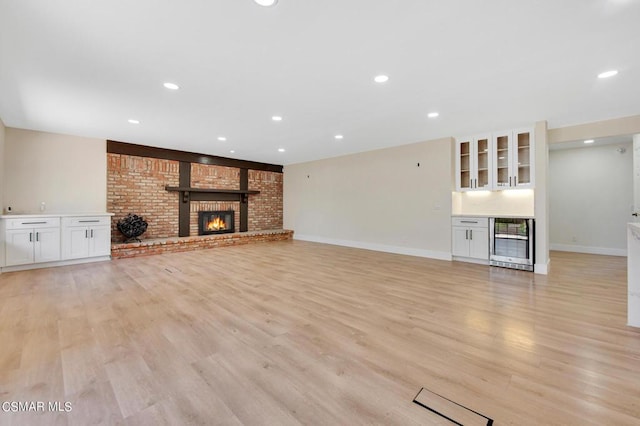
216,222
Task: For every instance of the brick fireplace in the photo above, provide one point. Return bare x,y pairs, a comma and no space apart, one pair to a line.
150,182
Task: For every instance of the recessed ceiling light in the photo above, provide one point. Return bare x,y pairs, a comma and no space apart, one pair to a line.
339,137
381,78
607,74
232,151
171,86
132,121
280,149
589,141
433,114
276,118
266,2
222,138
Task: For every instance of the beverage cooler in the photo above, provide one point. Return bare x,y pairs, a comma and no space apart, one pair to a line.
511,243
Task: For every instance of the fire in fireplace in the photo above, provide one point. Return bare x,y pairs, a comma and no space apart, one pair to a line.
216,222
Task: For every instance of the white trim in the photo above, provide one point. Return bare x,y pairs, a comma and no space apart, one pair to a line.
409,251
471,260
52,264
589,250
542,268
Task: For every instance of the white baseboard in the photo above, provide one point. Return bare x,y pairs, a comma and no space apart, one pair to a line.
431,254
589,250
52,264
542,268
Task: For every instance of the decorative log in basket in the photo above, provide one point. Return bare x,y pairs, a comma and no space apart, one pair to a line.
132,226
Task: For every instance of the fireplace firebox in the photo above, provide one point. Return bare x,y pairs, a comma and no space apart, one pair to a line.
216,222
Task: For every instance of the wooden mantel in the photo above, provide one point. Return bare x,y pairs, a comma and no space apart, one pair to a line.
186,190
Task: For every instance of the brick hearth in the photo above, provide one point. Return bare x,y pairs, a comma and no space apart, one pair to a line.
178,244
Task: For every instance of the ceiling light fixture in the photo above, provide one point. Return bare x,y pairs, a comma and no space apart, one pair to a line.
589,141
222,138
232,151
433,114
281,150
266,3
607,74
132,121
276,118
381,78
171,86
339,137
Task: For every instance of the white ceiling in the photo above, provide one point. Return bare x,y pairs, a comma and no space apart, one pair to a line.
85,67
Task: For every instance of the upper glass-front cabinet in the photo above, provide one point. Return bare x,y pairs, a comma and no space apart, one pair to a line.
513,156
523,158
501,160
473,163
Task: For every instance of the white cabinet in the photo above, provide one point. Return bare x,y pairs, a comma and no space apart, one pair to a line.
496,161
86,236
470,237
37,241
513,156
32,240
474,163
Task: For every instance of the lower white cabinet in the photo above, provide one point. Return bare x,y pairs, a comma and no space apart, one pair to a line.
470,237
32,240
87,236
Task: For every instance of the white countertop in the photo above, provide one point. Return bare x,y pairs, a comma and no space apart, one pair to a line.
506,216
34,215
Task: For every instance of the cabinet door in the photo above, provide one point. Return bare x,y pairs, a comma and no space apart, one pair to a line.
503,158
47,245
460,241
100,241
523,158
19,246
479,243
482,162
464,164
75,242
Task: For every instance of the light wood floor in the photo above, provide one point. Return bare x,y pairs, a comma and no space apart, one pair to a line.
303,333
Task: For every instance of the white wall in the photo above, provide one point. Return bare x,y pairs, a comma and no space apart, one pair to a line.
379,200
590,198
67,173
2,144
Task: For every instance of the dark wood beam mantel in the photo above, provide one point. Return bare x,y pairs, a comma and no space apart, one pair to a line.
115,147
186,191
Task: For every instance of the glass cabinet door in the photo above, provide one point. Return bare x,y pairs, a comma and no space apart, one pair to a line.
503,155
465,164
522,160
483,162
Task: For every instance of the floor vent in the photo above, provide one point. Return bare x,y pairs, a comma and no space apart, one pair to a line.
456,413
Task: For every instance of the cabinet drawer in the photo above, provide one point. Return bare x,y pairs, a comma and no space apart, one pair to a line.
35,222
470,222
86,221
